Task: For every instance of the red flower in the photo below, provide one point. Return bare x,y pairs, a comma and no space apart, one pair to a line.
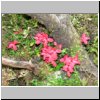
84,38
50,54
75,60
69,64
66,59
42,38
12,45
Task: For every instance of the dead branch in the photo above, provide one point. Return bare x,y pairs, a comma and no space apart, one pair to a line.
17,64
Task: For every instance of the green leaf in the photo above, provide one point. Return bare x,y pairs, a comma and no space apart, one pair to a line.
32,43
59,66
25,33
64,50
22,52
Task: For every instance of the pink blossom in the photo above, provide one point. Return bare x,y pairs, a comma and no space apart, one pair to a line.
68,74
42,38
75,60
12,45
69,62
58,46
50,54
65,68
68,69
66,59
84,38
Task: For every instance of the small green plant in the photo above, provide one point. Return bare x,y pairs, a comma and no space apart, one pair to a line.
92,49
51,80
59,66
64,52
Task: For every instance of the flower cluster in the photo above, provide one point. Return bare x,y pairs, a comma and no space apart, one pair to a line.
50,54
84,38
12,45
69,62
42,38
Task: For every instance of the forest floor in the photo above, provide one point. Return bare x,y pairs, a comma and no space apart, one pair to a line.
22,28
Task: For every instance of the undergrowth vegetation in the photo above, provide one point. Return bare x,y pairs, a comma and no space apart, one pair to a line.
88,23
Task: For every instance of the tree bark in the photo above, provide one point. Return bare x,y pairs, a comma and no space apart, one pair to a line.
62,33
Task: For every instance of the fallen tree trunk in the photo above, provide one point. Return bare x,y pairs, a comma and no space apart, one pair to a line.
33,65
63,32
17,64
